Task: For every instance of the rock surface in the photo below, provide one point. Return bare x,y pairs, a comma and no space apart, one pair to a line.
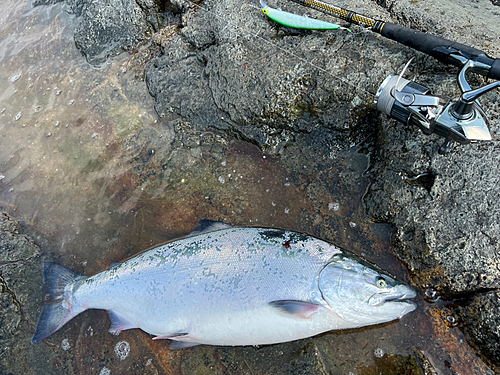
481,319
108,28
224,66
19,276
242,75
443,209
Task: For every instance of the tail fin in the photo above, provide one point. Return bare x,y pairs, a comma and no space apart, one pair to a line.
56,309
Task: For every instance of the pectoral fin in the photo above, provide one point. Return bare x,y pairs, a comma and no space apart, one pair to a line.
300,309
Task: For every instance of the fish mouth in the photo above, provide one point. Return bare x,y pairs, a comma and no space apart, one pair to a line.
400,298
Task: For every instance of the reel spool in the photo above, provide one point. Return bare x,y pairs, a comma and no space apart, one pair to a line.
462,120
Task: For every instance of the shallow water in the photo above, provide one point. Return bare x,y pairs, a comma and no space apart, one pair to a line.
93,176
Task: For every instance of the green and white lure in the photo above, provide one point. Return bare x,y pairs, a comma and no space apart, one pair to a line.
296,21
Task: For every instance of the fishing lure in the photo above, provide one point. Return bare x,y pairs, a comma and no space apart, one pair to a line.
297,22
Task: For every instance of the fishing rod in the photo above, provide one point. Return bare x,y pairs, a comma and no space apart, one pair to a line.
462,120
444,50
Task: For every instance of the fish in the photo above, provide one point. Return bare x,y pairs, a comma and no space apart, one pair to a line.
229,286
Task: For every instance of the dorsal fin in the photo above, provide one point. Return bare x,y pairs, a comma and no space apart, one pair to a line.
114,264
206,226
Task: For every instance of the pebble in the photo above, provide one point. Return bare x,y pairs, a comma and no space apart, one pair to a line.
122,350
65,344
15,78
379,353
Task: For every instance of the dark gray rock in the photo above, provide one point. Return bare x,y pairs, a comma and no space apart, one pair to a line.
229,68
45,2
225,66
481,318
444,209
444,212
176,80
20,281
108,28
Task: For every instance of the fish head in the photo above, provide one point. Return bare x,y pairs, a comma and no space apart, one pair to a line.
361,294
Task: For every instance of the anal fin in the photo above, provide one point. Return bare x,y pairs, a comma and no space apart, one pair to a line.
177,340
119,323
176,345
172,336
300,309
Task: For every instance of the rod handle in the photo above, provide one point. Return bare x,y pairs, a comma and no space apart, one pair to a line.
442,49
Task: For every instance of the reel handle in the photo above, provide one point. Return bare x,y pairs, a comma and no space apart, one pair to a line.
463,109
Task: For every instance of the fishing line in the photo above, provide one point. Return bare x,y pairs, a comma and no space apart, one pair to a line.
282,49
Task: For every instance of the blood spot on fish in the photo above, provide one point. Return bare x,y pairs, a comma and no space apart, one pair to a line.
122,349
286,245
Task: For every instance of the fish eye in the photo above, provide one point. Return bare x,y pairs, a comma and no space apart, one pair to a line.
380,282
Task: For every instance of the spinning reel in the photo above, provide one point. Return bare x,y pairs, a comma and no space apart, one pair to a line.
462,120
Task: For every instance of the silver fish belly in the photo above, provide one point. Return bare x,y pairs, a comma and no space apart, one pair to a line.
237,286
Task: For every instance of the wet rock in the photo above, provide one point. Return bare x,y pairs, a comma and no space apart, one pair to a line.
176,81
45,2
444,209
481,318
227,67
20,282
300,357
446,231
108,28
220,74
15,248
